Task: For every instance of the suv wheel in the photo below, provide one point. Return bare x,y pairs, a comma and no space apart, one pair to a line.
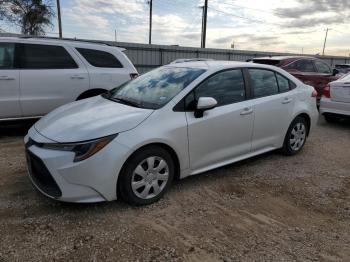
296,136
146,176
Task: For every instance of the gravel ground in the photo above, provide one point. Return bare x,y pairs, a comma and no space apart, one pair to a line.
269,208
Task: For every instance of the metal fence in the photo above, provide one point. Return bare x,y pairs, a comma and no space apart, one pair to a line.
146,57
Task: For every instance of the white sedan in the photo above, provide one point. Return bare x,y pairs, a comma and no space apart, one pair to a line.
335,101
175,121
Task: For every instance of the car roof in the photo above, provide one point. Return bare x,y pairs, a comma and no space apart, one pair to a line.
283,57
217,65
72,42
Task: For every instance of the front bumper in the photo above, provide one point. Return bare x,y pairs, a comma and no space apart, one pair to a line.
333,107
55,175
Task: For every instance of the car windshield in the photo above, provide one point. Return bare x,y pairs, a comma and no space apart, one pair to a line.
155,88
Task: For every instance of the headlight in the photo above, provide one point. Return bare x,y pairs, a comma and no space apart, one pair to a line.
82,150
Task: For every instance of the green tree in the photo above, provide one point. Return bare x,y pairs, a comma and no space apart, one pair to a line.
32,16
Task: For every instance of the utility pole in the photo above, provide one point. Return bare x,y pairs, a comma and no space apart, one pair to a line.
204,23
59,18
115,35
325,41
150,22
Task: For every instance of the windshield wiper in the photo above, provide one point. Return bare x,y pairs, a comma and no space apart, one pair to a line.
124,101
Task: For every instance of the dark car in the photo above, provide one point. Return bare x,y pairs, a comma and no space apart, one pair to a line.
310,70
343,68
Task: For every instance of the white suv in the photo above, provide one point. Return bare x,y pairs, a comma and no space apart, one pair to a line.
38,75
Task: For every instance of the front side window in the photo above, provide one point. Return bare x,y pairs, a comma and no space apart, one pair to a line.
7,54
155,88
322,67
99,58
34,56
226,87
263,82
304,65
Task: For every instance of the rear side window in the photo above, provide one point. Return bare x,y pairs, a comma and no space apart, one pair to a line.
226,87
283,83
7,54
322,67
263,82
35,56
267,62
99,58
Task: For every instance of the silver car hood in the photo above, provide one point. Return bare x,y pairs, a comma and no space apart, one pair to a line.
89,119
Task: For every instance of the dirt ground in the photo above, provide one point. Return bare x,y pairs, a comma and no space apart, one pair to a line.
269,208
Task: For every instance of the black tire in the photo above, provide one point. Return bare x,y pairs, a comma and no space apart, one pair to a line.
331,118
288,148
125,190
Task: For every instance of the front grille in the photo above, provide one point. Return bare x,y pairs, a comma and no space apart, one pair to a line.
41,176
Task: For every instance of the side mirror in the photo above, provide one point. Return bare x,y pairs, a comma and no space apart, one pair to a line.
204,104
335,72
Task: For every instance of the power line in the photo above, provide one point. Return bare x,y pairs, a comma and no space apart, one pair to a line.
256,9
245,18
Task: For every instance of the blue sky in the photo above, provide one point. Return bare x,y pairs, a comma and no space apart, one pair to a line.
266,25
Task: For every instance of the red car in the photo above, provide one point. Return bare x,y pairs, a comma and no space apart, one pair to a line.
310,70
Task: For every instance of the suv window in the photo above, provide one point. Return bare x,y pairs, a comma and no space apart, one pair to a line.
323,68
283,83
263,82
226,87
99,58
36,56
303,65
7,54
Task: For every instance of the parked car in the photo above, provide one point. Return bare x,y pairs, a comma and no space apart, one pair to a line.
335,101
38,75
175,121
309,70
343,68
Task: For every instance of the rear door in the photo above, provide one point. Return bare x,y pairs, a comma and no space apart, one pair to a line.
50,77
9,82
340,90
105,69
273,104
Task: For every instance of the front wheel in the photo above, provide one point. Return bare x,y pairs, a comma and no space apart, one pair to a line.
296,136
146,176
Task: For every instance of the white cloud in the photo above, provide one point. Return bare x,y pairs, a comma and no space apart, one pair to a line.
179,22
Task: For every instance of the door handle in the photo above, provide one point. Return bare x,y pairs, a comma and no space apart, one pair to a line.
247,111
77,77
6,78
287,100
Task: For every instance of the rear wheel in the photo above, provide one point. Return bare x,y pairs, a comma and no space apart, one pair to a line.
146,176
296,136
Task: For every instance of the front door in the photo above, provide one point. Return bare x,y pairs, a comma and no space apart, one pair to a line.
50,77
9,82
224,132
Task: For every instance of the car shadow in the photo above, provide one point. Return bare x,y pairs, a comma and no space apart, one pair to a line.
342,123
15,128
